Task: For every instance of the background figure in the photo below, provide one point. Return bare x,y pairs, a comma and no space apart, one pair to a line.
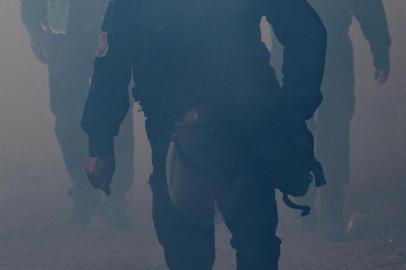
69,57
333,121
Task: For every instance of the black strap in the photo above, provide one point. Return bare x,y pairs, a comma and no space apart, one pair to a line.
304,208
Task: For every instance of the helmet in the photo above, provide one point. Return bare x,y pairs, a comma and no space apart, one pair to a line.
194,165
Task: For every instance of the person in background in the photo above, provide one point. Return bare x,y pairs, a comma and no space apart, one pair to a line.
64,36
333,119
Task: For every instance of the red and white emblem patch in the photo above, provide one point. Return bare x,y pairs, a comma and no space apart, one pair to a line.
103,46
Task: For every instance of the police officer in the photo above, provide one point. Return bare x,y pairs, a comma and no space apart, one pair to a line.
186,54
333,121
334,116
68,51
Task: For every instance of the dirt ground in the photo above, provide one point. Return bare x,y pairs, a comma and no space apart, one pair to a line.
70,248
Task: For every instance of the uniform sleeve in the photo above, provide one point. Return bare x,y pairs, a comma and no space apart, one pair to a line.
108,99
372,18
303,37
33,13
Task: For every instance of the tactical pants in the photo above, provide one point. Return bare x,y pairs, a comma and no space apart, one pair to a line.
70,65
252,219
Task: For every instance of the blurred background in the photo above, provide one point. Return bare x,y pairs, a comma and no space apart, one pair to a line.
33,181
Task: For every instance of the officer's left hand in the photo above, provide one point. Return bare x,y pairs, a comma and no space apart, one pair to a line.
100,170
381,76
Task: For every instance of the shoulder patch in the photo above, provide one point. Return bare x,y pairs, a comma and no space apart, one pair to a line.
103,47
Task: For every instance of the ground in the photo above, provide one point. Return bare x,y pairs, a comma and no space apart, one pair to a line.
63,247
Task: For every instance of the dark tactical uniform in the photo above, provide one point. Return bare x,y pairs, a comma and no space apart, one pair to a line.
184,54
69,58
332,124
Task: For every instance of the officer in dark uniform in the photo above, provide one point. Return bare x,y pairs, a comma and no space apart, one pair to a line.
334,116
69,56
333,121
186,54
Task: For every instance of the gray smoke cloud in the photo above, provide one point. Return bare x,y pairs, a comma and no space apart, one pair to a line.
33,180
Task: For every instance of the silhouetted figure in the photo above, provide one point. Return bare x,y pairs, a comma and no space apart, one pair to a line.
334,116
188,54
333,120
68,51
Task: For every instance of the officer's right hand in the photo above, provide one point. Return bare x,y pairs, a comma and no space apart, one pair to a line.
99,171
